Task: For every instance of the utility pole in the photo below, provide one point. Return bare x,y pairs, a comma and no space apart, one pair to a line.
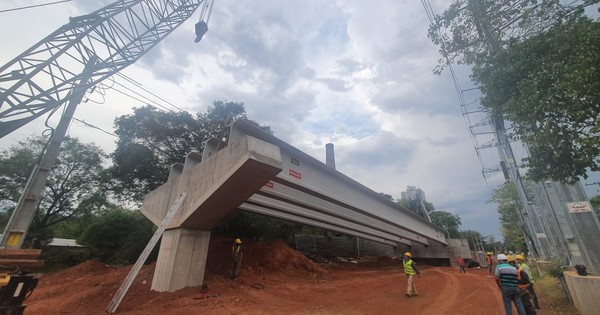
553,222
63,65
20,220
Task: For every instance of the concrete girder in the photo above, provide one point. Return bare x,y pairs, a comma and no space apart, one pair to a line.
277,213
337,212
305,173
334,217
257,172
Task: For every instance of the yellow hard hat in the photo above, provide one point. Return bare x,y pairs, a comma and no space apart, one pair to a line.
238,241
407,254
520,257
510,258
489,253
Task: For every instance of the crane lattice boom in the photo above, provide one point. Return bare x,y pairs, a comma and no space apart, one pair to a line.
115,36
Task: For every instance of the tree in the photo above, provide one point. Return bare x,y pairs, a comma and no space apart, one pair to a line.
509,207
448,221
74,185
470,31
484,33
548,88
473,237
151,140
117,236
415,206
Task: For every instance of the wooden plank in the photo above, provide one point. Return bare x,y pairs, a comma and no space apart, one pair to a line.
22,263
20,253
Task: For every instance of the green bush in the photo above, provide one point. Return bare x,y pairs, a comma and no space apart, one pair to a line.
118,236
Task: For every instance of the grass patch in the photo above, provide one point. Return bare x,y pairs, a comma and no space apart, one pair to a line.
552,296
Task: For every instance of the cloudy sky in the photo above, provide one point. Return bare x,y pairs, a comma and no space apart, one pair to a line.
354,73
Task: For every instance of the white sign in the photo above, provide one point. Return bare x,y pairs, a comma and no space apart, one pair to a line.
580,206
540,235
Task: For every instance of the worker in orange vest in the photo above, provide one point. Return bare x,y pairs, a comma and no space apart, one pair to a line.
521,263
235,264
523,280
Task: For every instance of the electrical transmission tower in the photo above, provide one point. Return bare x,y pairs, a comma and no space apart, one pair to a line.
556,218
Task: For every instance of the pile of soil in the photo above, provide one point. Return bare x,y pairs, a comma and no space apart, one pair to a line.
275,279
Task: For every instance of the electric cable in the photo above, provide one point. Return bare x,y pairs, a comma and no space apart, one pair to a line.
34,6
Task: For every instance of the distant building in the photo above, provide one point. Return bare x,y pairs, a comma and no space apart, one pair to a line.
416,198
413,193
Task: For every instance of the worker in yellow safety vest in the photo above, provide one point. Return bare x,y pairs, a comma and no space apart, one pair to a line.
410,269
521,263
523,283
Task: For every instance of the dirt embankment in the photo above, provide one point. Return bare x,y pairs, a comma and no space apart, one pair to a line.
275,279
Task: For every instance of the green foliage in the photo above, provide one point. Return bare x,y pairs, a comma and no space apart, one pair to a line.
448,221
509,207
60,258
117,236
415,207
258,227
469,31
74,186
547,86
151,140
556,270
387,196
473,237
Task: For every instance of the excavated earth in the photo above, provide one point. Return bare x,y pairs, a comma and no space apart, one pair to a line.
275,279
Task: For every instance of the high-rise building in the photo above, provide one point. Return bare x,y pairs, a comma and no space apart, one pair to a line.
413,193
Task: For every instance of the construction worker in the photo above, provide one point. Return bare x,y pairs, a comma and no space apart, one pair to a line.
489,260
521,264
236,260
524,281
461,264
410,269
507,278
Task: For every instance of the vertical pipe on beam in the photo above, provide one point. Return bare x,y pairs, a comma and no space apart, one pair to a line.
329,155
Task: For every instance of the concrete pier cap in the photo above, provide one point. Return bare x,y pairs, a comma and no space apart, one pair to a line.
243,166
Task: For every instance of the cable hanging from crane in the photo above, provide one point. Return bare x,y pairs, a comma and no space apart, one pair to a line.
202,26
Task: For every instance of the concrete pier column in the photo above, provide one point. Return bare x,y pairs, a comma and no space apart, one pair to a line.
181,259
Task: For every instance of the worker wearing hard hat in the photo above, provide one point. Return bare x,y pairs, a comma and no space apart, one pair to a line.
523,280
410,269
507,278
521,264
235,264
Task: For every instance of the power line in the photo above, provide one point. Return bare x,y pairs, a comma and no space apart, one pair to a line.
34,6
457,87
95,127
151,93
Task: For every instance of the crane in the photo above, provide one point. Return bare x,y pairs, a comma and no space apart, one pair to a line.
71,60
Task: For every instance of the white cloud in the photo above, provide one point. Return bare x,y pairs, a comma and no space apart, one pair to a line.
354,73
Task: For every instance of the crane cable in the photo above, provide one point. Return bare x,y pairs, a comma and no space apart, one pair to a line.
206,11
34,6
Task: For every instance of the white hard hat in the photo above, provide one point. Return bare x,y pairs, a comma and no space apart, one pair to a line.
501,257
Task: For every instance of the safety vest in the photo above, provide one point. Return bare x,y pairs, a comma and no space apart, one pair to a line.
521,285
408,269
527,271
235,249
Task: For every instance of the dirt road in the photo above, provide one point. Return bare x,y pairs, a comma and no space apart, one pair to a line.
292,288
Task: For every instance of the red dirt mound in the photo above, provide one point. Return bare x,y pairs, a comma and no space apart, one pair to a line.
275,279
